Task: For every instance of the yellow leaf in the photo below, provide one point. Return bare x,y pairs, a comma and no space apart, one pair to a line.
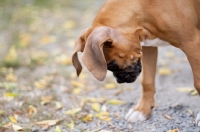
88,118
95,100
10,96
83,76
170,55
16,127
71,125
76,91
175,130
59,105
32,110
115,102
194,93
73,111
48,122
165,71
13,119
46,99
77,84
11,77
185,89
105,118
2,112
24,40
48,39
101,114
39,57
110,86
58,129
168,117
41,84
70,24
63,59
96,107
12,55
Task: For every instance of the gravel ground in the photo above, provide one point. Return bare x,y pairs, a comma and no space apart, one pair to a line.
62,22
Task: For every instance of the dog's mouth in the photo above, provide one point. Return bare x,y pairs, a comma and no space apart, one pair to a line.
127,75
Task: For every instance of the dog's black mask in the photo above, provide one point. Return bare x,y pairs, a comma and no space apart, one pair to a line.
127,75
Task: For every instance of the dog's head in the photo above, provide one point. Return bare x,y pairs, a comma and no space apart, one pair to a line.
105,49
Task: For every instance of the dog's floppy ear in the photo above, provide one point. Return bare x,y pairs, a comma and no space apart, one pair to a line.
79,47
93,56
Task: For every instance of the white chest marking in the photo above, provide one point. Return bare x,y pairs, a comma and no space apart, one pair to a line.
154,42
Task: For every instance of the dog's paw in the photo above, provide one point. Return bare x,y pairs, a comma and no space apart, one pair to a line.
198,120
135,116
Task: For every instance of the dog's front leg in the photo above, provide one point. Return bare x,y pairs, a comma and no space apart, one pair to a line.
144,107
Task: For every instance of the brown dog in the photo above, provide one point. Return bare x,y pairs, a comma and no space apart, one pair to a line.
127,31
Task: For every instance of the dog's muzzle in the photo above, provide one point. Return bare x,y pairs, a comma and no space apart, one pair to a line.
127,75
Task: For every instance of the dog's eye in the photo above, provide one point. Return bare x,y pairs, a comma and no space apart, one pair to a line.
108,44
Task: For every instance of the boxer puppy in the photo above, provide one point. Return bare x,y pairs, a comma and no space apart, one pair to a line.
125,32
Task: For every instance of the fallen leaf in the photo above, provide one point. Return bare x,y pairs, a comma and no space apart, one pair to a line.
185,89
32,110
48,39
88,118
190,111
96,107
11,77
77,84
69,24
73,111
46,99
110,86
48,122
115,102
165,71
24,40
58,129
118,92
101,114
194,93
16,127
2,112
170,54
12,56
10,96
71,125
63,59
76,91
105,118
95,100
168,117
13,119
41,84
59,105
175,130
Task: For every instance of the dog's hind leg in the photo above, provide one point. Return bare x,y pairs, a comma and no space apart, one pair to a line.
192,51
144,107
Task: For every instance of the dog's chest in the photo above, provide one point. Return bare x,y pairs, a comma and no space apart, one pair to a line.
155,43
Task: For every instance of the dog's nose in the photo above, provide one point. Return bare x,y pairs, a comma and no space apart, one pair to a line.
112,66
